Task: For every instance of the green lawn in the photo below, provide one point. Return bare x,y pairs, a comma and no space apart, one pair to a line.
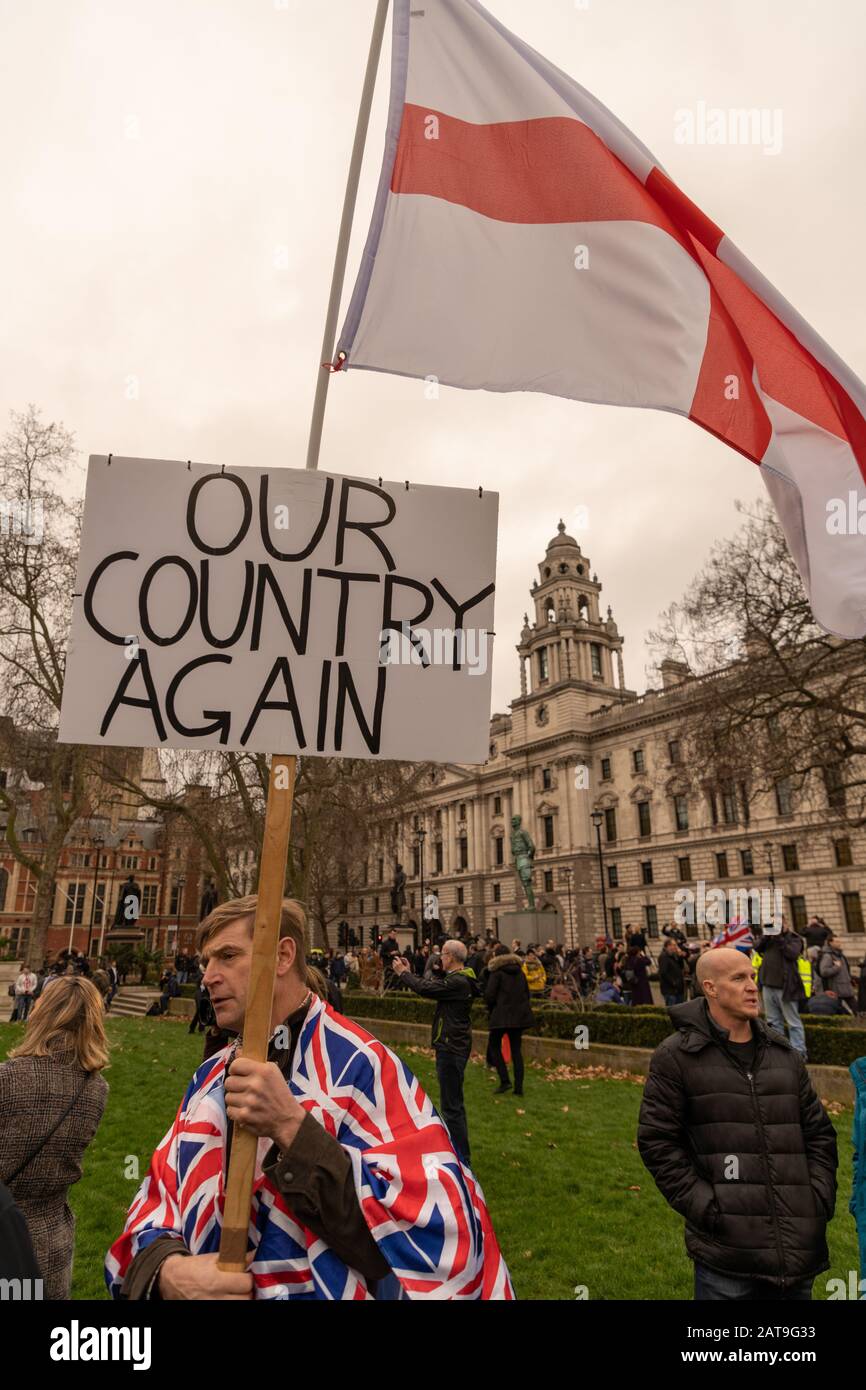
570,1199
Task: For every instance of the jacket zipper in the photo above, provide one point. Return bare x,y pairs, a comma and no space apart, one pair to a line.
751,1079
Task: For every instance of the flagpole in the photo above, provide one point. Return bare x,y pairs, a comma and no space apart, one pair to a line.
234,1236
326,356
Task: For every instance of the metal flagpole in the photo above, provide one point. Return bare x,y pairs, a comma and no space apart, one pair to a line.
326,356
234,1236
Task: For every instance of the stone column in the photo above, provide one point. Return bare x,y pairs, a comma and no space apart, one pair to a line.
620,669
523,675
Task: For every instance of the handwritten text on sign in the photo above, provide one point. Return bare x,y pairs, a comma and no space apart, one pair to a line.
280,609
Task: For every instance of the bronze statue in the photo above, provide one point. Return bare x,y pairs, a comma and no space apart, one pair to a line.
209,900
523,854
398,892
128,903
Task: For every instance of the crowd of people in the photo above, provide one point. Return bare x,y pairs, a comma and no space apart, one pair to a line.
692,1125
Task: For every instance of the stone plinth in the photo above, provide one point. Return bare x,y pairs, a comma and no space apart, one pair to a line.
530,927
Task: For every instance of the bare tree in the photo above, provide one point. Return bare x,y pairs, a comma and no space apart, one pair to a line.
771,698
47,783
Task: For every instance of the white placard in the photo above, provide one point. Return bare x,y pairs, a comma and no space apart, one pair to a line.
281,610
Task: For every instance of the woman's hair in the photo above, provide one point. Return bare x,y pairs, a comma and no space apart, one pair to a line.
68,1015
293,923
500,949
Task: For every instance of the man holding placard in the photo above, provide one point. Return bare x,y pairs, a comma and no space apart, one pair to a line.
358,1193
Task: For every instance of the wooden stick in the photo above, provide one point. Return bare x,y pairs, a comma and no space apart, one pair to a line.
323,376
234,1237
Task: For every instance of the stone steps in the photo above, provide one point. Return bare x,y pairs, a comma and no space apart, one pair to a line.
132,1001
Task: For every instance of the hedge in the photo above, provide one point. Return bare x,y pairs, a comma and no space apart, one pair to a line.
613,1024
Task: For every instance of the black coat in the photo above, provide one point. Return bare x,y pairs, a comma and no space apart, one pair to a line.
452,1022
671,974
506,993
701,1109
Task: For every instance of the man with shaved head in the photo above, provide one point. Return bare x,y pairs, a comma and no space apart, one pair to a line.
738,1142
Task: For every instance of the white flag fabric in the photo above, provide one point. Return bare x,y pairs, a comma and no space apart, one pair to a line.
524,240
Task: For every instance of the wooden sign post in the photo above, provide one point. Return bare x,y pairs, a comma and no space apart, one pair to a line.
234,1238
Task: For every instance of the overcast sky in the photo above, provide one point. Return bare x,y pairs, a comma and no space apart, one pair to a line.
172,173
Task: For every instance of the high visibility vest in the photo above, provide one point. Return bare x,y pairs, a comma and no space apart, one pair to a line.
804,970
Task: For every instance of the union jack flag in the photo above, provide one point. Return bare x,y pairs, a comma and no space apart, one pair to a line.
734,934
424,1208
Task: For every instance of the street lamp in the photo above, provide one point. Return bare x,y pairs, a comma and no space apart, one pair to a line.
97,843
421,835
567,872
768,850
597,818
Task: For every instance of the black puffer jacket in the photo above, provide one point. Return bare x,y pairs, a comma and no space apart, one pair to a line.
701,1109
506,993
453,992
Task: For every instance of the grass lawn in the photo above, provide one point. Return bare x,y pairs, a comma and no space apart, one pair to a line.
571,1202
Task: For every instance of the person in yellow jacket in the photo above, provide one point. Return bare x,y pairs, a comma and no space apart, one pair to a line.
804,970
536,975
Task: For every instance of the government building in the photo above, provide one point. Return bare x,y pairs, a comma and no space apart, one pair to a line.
598,776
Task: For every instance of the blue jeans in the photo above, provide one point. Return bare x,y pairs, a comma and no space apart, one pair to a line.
671,999
780,1011
710,1285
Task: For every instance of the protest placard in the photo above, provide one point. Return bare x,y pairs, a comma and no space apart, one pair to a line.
255,609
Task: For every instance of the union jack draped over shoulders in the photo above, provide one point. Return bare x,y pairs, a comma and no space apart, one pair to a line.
424,1209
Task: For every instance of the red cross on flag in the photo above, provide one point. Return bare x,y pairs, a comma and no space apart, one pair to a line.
524,240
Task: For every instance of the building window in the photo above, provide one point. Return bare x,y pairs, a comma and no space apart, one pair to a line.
459,897
637,760
99,906
542,664
548,832
674,751
548,880
605,770
610,824
416,862
595,660
612,876
789,858
461,813
497,893
499,855
853,911
545,779
784,798
437,850
643,819
722,865
799,917
375,907
652,919
497,805
684,866
729,806
747,862
361,905
463,844
835,785
73,912
616,921
646,871
842,849
148,900
174,902
681,812
380,870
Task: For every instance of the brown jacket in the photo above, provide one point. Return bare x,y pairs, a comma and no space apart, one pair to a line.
34,1092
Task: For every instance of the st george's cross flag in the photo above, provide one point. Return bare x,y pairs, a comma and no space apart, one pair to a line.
424,1208
524,240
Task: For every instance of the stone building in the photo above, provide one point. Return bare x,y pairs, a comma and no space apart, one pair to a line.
596,773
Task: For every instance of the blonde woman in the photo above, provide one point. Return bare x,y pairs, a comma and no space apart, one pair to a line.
52,1095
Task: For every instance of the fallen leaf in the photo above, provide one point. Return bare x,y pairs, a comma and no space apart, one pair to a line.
634,1188
521,1112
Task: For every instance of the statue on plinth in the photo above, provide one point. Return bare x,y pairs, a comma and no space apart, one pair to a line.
398,893
523,855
